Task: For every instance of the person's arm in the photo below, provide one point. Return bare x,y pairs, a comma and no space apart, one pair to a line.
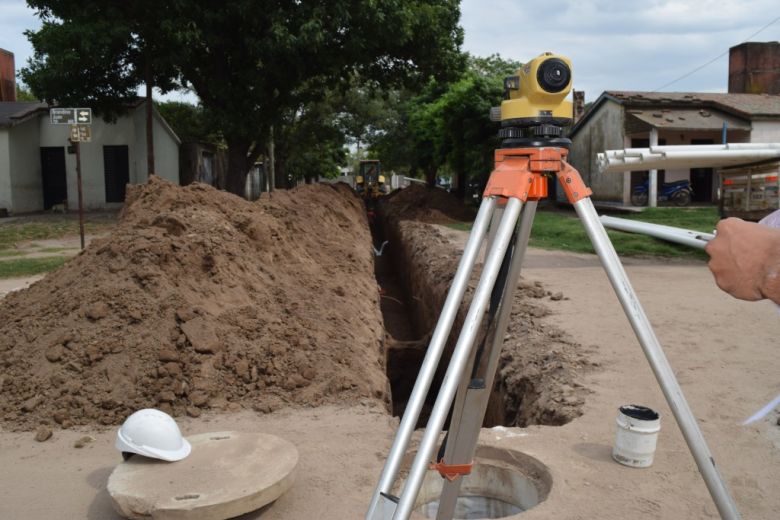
745,260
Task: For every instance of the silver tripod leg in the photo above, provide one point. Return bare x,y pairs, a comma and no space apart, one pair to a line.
460,358
430,362
474,395
658,362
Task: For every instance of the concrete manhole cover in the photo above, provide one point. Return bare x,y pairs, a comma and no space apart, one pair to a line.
226,475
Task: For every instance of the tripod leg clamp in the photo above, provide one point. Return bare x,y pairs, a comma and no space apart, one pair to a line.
573,186
452,471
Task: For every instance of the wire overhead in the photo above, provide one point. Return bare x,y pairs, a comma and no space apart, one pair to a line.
716,58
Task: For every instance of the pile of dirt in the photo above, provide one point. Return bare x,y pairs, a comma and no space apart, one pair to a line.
424,204
200,299
540,367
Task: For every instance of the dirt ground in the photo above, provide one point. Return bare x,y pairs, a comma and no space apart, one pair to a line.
197,300
580,361
10,285
724,353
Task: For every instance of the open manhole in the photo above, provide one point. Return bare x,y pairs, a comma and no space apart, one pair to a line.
503,483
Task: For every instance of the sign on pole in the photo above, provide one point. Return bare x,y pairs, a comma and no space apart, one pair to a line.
80,133
62,116
84,116
79,120
70,116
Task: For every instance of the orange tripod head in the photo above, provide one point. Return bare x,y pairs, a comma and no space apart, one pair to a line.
521,173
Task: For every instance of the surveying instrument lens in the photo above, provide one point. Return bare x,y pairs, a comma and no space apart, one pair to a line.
553,75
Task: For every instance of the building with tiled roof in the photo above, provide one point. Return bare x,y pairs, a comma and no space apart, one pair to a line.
620,119
15,112
748,113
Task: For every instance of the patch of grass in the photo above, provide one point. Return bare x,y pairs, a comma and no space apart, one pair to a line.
29,266
41,227
55,249
563,231
9,253
553,230
460,226
699,219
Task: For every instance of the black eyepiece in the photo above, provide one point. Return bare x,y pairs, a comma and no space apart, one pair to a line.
553,75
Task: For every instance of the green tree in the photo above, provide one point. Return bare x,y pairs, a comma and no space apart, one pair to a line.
411,141
361,110
252,65
22,94
190,122
310,143
447,126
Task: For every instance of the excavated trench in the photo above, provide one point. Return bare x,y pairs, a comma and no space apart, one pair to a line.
409,311
537,380
404,352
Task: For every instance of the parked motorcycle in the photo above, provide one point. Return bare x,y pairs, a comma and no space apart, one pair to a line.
678,193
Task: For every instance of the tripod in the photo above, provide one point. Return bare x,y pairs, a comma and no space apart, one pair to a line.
516,185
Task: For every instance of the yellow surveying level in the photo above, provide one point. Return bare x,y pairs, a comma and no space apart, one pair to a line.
536,94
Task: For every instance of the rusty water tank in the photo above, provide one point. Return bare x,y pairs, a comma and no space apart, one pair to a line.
7,76
754,68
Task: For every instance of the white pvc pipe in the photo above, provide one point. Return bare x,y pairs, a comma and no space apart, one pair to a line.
685,156
682,163
686,237
729,146
724,154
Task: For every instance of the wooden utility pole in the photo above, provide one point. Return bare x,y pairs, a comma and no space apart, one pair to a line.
271,171
77,144
149,119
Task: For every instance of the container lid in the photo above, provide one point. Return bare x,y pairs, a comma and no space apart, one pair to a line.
641,413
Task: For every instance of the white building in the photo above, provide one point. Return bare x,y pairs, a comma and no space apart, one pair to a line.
38,164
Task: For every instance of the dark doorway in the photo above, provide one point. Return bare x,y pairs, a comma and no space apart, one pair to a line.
701,178
55,183
116,168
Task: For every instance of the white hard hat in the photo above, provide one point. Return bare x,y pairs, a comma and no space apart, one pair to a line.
152,433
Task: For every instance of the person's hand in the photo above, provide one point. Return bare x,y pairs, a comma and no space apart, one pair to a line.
745,259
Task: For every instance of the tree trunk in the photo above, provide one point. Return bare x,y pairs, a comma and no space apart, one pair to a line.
460,188
430,176
237,167
271,171
279,173
149,120
459,175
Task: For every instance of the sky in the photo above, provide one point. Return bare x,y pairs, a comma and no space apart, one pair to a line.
623,44
613,44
